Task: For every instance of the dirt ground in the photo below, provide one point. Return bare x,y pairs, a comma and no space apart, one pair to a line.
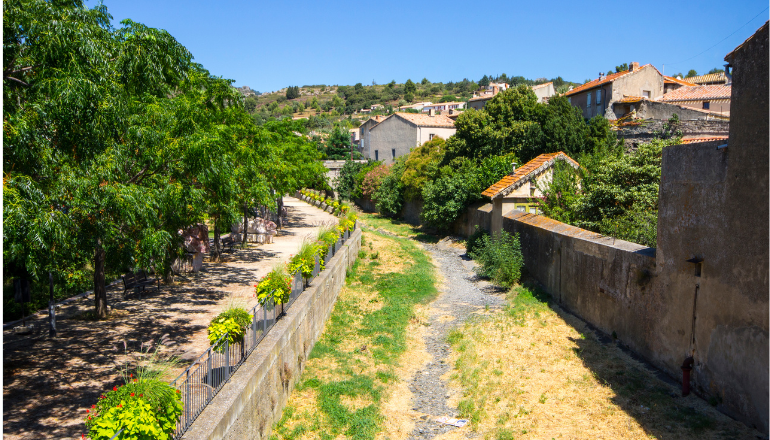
48,383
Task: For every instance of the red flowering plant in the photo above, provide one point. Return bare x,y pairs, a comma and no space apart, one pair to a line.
145,406
275,286
373,179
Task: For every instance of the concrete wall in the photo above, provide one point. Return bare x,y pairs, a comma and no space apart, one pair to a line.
714,207
249,405
333,168
544,92
392,134
479,215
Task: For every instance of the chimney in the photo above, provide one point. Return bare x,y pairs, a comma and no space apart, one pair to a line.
634,66
601,75
513,167
432,112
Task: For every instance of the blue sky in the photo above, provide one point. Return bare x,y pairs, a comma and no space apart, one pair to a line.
269,45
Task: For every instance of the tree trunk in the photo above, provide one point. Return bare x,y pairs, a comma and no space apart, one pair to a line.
279,205
217,248
245,227
100,289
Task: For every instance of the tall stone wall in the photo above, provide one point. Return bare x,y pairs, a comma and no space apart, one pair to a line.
249,405
635,135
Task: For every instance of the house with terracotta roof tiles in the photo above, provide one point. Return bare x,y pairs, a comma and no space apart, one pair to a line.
713,98
481,97
670,83
519,189
397,134
596,97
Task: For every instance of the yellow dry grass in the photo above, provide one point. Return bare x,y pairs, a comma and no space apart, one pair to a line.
545,375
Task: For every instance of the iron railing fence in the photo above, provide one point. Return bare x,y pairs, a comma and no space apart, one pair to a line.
205,377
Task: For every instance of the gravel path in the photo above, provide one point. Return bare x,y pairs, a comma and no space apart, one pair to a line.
461,296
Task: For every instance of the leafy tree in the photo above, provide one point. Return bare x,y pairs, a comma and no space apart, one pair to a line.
621,68
389,195
338,145
425,81
292,92
484,81
691,73
250,103
409,87
409,97
716,70
421,167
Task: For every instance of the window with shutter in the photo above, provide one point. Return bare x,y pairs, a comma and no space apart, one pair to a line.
599,97
588,100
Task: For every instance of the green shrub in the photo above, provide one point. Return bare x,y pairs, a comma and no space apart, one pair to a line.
389,195
499,258
144,408
275,286
474,241
232,322
304,261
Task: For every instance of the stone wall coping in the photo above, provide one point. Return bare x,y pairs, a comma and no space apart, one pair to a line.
564,229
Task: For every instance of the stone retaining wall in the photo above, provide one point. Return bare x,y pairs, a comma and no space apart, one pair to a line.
249,405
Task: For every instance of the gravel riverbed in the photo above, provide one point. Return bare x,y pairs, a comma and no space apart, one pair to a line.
461,295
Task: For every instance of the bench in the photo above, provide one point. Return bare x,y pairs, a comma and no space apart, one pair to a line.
137,281
229,242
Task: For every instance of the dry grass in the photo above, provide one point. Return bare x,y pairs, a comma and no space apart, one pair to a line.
534,371
355,380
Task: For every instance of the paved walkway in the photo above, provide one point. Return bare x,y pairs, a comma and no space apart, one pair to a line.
49,383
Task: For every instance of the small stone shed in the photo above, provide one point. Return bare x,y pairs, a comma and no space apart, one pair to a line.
519,189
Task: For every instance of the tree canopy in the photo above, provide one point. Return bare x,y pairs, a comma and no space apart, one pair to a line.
115,139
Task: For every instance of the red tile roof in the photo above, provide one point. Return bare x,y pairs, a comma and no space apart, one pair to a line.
698,93
694,140
630,99
523,173
604,80
427,121
709,78
672,80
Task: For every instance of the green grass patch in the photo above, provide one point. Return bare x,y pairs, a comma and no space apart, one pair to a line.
351,367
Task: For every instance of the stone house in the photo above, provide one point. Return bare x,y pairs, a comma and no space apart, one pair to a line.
670,84
712,98
517,190
543,91
443,107
363,133
481,97
596,97
397,134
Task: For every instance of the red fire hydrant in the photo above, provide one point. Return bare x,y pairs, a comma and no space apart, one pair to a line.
686,368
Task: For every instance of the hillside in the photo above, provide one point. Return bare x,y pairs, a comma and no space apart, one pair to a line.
336,101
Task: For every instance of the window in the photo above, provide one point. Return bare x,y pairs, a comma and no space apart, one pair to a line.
646,93
588,100
569,99
531,190
376,155
393,151
705,105
430,136
599,97
533,210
